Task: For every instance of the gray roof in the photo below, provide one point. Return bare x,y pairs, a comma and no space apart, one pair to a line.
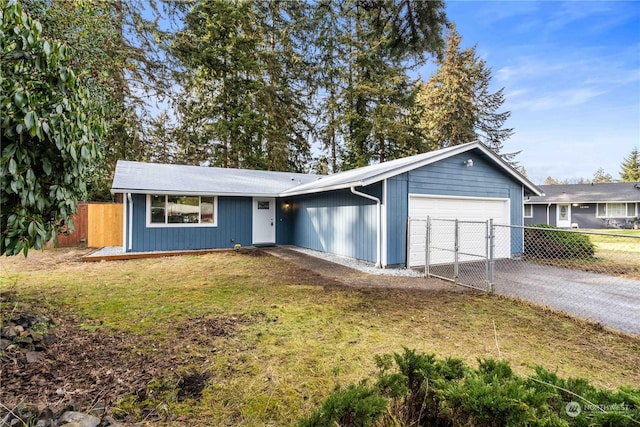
378,172
589,193
137,177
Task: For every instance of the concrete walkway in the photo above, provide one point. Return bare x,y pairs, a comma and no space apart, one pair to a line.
352,277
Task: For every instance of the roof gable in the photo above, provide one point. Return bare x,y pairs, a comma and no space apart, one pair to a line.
374,173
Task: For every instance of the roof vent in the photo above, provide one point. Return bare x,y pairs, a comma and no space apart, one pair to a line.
636,186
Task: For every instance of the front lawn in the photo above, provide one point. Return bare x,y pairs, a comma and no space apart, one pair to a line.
249,339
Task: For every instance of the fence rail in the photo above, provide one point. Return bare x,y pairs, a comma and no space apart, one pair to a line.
478,253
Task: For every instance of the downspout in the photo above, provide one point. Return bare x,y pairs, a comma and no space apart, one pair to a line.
378,223
130,222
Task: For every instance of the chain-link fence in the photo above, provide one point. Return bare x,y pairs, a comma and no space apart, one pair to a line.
590,274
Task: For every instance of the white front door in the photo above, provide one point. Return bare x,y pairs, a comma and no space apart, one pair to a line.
563,216
264,221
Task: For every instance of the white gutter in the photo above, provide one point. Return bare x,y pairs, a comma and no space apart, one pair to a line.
378,223
130,199
548,206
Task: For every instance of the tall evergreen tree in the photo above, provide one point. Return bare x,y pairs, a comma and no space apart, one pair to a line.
456,104
371,46
600,176
244,75
630,168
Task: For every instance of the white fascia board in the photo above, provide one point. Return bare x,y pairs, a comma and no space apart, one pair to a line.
563,202
341,186
191,193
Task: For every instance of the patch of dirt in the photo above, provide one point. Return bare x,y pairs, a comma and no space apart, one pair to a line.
224,326
253,252
80,367
191,385
43,260
84,369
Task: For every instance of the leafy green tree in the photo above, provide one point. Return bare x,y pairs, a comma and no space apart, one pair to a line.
456,104
630,168
51,130
119,46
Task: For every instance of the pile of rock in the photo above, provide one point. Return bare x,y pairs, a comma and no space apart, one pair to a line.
23,415
29,335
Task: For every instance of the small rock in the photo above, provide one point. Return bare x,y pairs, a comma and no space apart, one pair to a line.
34,356
49,339
25,339
19,329
36,337
110,422
46,418
9,331
79,419
4,343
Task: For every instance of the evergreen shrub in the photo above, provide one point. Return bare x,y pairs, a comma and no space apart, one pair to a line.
414,389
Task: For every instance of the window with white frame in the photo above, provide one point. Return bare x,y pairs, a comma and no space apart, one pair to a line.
528,211
175,210
616,210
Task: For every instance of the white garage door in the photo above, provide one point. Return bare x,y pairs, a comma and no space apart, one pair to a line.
472,242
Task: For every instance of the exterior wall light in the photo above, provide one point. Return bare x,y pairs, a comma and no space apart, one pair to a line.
469,163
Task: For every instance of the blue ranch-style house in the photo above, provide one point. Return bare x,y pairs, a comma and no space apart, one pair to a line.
361,213
596,206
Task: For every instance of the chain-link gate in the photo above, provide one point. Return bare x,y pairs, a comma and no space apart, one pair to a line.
454,250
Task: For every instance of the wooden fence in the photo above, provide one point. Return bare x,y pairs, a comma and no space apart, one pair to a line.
95,225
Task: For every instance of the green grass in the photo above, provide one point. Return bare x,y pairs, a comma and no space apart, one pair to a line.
302,335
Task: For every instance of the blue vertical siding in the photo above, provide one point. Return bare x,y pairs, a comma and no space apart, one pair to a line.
397,214
234,226
449,177
338,222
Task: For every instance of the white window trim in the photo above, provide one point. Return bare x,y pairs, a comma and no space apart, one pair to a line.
524,211
181,225
626,210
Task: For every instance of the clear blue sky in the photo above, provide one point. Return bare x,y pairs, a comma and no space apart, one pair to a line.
571,73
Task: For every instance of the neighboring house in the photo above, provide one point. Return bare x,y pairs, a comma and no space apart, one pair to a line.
361,213
608,205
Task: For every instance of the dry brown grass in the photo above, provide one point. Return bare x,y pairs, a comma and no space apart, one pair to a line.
305,333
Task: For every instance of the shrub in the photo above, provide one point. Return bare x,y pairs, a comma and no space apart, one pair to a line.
555,243
421,390
357,406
